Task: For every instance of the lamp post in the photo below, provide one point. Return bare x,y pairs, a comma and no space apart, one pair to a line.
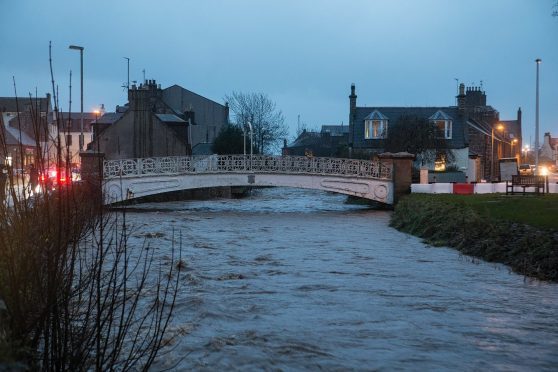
525,153
513,142
251,144
538,62
80,48
498,127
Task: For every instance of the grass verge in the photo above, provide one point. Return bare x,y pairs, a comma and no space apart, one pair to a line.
521,232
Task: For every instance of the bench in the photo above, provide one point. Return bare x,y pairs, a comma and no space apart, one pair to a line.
524,181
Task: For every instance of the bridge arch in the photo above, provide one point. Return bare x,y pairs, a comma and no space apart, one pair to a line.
132,178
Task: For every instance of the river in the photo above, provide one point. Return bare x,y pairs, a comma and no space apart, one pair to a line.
293,279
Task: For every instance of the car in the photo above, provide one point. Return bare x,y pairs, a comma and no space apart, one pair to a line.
525,169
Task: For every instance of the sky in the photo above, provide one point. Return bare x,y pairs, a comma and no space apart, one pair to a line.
304,54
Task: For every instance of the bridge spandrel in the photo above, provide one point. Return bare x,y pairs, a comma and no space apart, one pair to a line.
139,177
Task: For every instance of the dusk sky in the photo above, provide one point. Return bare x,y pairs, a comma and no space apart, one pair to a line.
304,54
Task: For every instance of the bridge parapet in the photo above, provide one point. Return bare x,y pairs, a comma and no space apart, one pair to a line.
242,164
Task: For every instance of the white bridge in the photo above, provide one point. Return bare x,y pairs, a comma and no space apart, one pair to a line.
133,178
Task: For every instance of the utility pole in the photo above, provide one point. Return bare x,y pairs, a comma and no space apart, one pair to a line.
128,81
80,48
538,62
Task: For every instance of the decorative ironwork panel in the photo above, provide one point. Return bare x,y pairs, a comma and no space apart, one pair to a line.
242,163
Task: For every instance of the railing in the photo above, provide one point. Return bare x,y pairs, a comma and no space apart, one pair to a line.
241,164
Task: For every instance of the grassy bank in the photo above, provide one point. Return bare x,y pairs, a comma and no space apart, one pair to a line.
519,231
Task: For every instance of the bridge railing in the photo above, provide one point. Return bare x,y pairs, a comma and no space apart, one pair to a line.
240,164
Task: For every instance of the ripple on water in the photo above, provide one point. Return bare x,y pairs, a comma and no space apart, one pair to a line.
298,280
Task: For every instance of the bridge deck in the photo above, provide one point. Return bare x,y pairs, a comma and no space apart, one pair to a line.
242,164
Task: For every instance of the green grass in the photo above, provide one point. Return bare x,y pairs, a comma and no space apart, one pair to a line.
538,211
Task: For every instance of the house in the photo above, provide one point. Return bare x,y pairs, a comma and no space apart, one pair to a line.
549,150
70,131
26,130
469,131
159,122
329,142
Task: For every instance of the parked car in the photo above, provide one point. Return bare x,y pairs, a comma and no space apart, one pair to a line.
525,169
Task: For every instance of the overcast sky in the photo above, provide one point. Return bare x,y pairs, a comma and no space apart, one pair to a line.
303,53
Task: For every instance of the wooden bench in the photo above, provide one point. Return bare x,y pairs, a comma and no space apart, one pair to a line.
524,181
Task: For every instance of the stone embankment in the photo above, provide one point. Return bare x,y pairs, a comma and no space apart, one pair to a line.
527,250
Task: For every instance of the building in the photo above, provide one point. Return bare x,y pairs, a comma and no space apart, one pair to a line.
26,131
70,130
331,141
548,153
159,122
469,130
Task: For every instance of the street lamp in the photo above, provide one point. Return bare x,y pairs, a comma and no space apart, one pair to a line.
538,62
525,153
80,48
251,144
513,142
499,127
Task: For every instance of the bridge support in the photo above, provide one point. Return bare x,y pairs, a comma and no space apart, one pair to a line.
92,167
402,163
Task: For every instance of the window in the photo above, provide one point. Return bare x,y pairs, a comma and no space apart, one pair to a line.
68,140
443,123
444,128
375,125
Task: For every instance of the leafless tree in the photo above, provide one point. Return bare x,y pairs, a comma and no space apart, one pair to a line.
74,296
267,121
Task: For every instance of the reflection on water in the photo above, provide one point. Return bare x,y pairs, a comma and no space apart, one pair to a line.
296,279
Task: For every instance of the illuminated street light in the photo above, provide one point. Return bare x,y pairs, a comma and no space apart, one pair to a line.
499,127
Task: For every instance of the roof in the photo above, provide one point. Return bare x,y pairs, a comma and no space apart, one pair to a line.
335,130
203,149
12,104
393,114
13,136
109,117
168,89
169,118
306,138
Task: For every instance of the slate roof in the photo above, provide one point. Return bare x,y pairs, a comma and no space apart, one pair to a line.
109,117
169,118
13,137
335,130
393,114
10,104
203,149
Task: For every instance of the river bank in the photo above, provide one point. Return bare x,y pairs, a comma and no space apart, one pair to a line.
516,232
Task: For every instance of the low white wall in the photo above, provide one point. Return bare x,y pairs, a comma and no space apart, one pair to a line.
480,188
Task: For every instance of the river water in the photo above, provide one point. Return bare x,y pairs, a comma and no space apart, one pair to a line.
298,280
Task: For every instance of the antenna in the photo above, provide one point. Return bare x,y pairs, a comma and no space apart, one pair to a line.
481,85
143,75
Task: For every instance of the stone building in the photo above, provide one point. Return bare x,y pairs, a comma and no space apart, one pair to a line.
467,129
158,122
331,141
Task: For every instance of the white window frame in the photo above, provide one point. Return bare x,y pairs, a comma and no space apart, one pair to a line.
448,128
375,129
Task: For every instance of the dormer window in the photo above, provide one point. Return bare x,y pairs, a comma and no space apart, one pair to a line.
443,123
375,125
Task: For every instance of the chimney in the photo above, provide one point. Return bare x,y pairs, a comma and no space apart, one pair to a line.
461,99
352,114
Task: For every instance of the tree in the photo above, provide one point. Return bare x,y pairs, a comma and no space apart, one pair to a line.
417,136
230,140
268,123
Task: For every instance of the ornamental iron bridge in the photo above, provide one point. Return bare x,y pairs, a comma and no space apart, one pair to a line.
127,179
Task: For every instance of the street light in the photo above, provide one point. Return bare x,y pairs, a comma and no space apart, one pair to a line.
513,142
499,127
80,48
525,153
251,144
538,62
